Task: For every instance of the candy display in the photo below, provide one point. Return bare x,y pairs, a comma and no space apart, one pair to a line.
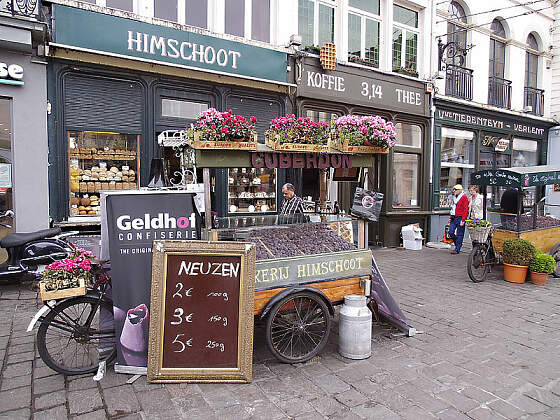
527,223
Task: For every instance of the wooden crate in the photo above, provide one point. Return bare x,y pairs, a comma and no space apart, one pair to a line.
544,239
346,148
335,290
274,143
62,293
201,144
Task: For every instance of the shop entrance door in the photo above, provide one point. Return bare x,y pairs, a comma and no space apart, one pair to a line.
6,191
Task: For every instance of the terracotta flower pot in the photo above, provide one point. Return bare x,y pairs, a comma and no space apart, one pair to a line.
515,273
539,278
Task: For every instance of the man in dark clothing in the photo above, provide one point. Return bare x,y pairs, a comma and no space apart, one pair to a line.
509,204
292,208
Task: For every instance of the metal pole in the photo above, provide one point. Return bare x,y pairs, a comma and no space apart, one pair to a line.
535,215
207,202
519,207
484,203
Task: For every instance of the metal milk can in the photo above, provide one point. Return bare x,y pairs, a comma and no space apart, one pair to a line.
354,328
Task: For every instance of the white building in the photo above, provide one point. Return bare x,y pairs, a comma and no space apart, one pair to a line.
553,194
492,74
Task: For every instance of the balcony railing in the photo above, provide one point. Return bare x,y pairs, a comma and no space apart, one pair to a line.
15,8
535,99
499,92
458,82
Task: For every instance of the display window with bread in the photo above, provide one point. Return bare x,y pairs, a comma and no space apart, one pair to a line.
100,161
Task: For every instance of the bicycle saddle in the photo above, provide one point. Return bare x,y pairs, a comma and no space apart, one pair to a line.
16,239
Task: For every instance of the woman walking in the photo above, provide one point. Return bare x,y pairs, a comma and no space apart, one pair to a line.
475,204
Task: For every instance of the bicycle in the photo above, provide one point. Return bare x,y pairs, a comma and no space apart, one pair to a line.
77,334
481,259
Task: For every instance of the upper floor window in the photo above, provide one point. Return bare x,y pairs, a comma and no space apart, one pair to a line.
531,62
456,31
196,13
239,12
235,17
363,32
405,38
127,5
497,50
316,22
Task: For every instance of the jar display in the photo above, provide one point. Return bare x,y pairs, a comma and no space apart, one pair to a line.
251,190
99,161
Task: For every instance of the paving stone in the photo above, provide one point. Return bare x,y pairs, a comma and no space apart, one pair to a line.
82,383
505,409
16,382
42,371
58,413
294,407
477,394
21,414
484,413
121,400
112,379
48,384
543,396
452,414
459,401
372,410
84,401
156,401
96,415
527,404
17,369
50,400
331,383
415,413
326,405
351,398
15,398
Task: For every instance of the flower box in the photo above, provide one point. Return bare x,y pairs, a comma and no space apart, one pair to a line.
62,293
293,146
199,143
344,147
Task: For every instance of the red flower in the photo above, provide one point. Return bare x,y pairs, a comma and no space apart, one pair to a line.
253,119
213,126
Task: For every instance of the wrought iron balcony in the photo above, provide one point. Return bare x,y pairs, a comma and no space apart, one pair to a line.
458,82
535,99
499,92
17,8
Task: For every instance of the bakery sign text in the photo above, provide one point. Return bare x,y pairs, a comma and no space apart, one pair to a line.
187,51
11,74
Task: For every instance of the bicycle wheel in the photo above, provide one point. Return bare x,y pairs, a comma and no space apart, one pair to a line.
298,327
477,264
73,339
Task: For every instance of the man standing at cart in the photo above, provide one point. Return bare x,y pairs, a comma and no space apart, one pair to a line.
292,208
458,215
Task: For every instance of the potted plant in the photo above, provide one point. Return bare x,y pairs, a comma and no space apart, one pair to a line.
518,254
290,133
312,49
222,130
67,277
541,266
369,134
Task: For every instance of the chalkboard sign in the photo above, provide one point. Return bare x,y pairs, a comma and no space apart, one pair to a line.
201,325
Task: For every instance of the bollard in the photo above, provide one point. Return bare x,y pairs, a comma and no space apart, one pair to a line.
354,328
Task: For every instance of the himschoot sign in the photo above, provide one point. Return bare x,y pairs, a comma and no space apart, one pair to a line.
98,32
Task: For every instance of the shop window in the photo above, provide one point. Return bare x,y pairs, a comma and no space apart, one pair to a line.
127,5
251,190
406,174
363,33
196,13
173,108
409,135
405,39
457,161
320,116
315,22
260,20
166,10
235,17
100,161
525,154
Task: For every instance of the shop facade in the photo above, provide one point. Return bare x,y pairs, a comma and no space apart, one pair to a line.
114,95
469,139
401,175
23,122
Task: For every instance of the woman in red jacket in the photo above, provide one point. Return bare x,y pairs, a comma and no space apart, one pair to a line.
458,215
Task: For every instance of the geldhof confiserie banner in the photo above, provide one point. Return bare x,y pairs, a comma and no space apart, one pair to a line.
133,222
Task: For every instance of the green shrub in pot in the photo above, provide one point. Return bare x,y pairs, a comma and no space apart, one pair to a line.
518,251
543,263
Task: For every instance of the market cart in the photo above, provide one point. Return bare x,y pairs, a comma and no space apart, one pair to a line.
542,231
295,294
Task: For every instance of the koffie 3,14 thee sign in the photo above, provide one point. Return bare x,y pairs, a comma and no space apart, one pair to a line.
202,300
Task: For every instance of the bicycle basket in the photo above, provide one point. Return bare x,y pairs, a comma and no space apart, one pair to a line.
479,234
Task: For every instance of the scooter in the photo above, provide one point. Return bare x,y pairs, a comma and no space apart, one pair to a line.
31,252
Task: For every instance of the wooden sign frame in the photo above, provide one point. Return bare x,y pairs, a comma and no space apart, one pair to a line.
242,372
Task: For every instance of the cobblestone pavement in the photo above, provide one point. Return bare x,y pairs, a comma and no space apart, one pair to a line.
487,351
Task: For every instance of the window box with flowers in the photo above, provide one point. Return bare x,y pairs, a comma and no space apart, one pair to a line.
406,71
298,135
369,134
66,278
222,130
362,61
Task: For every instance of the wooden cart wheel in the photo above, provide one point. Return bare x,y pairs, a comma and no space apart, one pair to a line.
297,327
555,252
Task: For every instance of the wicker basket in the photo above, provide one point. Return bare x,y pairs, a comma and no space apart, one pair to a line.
479,234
